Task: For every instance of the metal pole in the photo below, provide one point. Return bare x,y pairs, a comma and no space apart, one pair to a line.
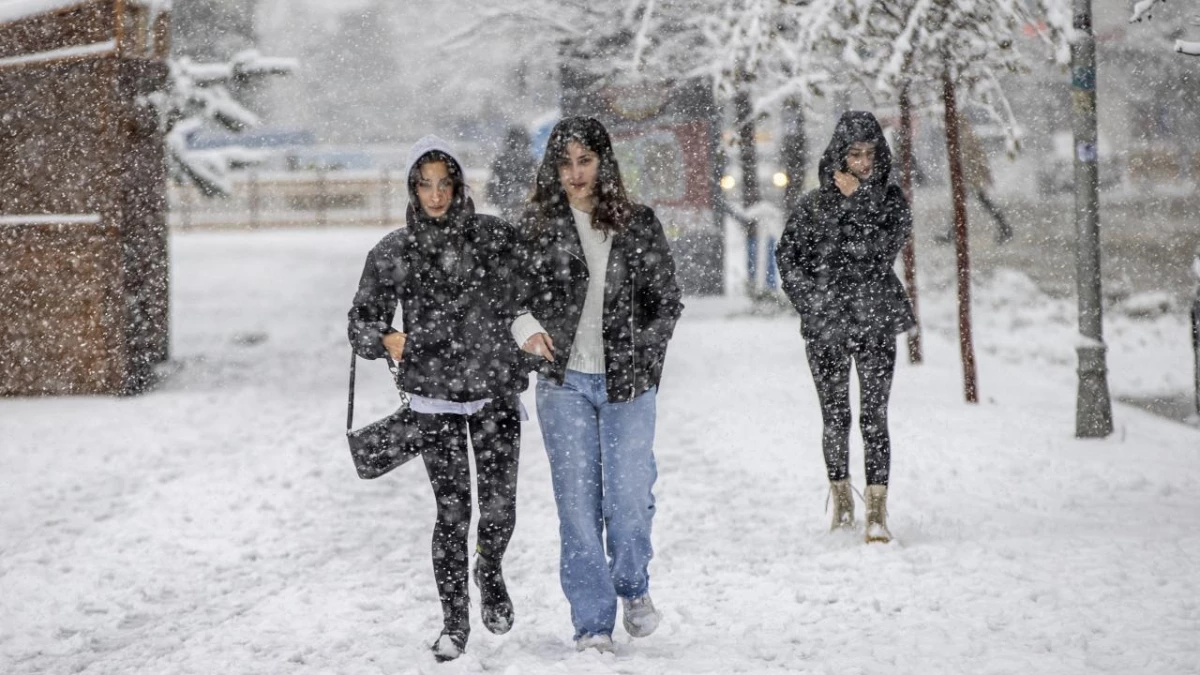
1093,407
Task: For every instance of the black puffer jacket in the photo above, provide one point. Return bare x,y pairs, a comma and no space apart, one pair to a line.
453,280
837,254
641,297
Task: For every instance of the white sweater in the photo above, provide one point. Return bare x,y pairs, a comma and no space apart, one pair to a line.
587,352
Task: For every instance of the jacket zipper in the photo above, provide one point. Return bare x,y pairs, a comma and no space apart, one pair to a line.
632,334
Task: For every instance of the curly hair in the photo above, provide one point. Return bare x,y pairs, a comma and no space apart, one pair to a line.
613,208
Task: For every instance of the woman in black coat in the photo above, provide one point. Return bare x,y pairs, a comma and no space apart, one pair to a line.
450,270
601,304
836,260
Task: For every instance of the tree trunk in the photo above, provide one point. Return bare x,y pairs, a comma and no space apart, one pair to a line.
795,153
748,158
959,196
910,251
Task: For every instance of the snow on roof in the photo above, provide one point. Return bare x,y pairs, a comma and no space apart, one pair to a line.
62,54
15,10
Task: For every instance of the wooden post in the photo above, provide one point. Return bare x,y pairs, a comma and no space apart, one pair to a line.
253,196
959,196
321,197
384,203
910,251
185,206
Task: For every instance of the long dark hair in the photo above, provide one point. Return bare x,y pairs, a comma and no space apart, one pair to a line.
549,201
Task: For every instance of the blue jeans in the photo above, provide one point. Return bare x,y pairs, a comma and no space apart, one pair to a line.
752,260
602,467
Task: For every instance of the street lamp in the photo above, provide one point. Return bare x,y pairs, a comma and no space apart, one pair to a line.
1093,407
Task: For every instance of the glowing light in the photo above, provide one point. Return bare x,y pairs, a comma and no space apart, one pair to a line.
781,179
727,182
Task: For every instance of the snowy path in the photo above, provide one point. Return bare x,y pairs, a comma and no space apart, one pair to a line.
216,525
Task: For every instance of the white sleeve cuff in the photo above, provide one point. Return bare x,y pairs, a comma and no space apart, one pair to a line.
525,327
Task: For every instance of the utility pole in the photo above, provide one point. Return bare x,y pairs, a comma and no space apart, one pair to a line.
1093,407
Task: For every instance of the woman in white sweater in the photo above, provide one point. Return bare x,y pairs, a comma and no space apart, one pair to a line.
600,298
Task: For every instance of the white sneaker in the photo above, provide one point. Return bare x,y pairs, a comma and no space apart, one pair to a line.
640,617
601,643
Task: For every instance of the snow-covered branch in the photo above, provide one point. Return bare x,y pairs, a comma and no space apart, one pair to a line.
198,93
1189,48
1141,9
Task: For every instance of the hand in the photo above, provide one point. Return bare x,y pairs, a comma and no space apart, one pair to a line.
846,182
394,343
541,345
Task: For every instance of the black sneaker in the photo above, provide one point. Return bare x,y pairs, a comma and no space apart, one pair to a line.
495,606
449,646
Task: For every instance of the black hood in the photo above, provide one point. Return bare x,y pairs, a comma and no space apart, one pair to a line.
461,208
856,126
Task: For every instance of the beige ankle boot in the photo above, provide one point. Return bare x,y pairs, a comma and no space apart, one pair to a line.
843,505
877,529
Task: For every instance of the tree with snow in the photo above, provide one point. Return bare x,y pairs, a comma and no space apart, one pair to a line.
1143,10
928,53
199,94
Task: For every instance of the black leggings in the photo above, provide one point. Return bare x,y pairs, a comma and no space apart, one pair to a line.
495,433
875,360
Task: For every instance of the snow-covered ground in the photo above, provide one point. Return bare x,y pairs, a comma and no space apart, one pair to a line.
216,525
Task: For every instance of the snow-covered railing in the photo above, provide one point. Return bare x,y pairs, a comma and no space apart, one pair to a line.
16,10
1189,48
361,198
62,54
50,219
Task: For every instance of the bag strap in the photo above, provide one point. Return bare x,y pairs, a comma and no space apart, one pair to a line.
350,398
350,402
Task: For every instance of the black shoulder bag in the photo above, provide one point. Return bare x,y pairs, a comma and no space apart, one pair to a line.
384,445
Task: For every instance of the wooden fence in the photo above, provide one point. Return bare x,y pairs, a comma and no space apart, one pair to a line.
303,199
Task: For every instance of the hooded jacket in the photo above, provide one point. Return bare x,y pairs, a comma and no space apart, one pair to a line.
641,298
452,278
837,253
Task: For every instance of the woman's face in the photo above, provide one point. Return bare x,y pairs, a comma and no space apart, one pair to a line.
435,189
860,159
577,173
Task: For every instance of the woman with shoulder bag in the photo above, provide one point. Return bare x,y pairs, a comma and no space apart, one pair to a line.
601,304
450,272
